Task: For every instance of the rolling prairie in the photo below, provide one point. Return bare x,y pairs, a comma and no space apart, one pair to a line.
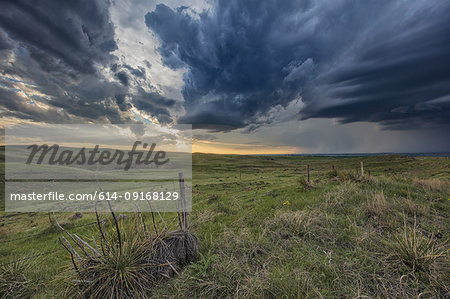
264,231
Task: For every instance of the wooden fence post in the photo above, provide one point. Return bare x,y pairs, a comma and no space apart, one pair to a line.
184,214
362,168
307,172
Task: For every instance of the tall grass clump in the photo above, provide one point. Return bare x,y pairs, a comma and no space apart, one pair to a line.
129,259
16,278
415,249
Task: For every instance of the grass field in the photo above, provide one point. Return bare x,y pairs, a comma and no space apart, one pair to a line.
265,232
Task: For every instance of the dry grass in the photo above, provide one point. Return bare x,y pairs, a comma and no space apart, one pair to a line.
377,206
204,216
432,185
414,209
336,199
297,223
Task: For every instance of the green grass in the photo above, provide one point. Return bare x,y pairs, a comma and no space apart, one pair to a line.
342,235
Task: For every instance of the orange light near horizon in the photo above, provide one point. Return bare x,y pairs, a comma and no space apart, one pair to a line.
211,147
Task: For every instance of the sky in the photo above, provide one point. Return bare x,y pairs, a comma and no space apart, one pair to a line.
251,77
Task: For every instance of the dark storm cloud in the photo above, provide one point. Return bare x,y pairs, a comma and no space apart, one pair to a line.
379,61
76,34
121,102
397,74
155,103
123,78
57,45
127,71
5,41
62,47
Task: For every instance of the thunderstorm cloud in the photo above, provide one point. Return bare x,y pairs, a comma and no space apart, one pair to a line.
377,61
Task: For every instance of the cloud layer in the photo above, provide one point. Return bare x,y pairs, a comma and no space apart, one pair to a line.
269,68
379,61
61,55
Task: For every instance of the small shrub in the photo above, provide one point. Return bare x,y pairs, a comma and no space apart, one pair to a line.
128,261
415,249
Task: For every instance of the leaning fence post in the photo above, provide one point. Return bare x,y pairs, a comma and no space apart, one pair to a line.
307,172
362,168
184,215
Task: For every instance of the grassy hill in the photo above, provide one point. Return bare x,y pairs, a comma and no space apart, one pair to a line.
265,232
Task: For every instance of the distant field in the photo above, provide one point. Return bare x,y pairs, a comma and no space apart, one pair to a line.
265,232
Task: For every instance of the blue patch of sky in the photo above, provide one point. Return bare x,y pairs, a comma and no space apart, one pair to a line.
140,118
17,81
